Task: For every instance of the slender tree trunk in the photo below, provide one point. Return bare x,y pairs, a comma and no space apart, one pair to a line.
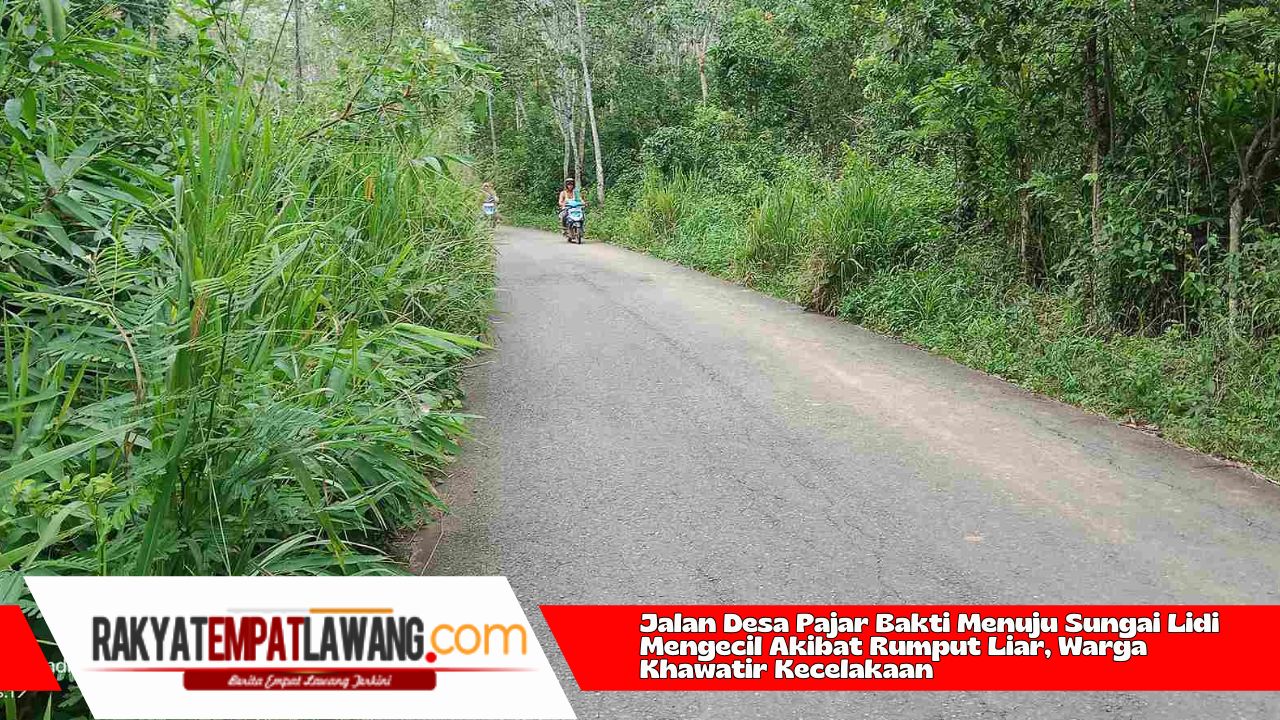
297,49
1097,241
1024,214
575,171
702,70
1235,221
1108,89
591,109
1098,140
570,146
568,142
967,177
493,133
566,131
581,149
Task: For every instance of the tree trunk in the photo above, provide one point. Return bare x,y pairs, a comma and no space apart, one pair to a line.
1024,214
297,49
493,133
1108,91
564,172
1097,242
571,146
967,181
581,154
566,131
1094,117
702,71
591,109
1234,223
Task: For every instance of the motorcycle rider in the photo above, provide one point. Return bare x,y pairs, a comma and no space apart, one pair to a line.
489,197
569,192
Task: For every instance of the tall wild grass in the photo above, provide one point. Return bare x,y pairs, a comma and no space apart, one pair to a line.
230,328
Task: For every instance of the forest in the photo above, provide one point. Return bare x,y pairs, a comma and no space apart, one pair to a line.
1079,196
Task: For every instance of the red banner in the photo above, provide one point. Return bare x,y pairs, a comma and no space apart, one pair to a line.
923,647
22,664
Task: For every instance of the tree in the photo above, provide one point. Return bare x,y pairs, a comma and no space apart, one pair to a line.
1096,102
590,102
296,6
692,27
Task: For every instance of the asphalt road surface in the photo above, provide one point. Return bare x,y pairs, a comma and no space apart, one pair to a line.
652,434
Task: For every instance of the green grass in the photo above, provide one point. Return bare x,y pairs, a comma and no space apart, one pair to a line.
264,392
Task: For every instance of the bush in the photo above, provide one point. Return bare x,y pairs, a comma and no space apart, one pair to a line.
872,220
777,230
852,226
717,146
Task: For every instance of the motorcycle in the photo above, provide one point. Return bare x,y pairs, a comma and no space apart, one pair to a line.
574,219
490,212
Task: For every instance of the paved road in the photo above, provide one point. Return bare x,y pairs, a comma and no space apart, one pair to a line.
652,434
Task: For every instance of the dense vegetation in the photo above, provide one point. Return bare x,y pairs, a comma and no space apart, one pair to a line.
1078,195
231,310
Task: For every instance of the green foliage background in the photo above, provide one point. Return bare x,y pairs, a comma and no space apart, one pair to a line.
929,168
